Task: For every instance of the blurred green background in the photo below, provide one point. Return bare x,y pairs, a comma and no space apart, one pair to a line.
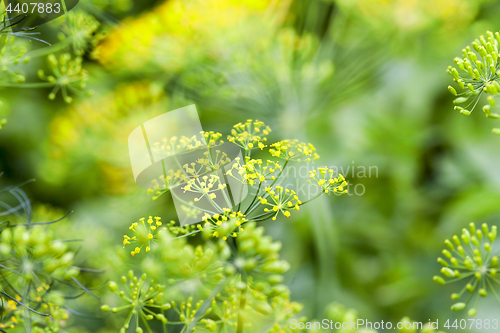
363,80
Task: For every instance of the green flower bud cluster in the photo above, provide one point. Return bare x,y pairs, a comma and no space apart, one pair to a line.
246,303
144,300
177,230
36,255
67,75
80,29
187,311
479,74
37,262
178,261
54,318
470,258
12,54
55,321
257,256
283,311
248,270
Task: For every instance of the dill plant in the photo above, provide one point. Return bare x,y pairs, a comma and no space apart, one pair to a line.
78,33
233,279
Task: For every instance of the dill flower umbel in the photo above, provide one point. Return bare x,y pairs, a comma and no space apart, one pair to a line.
324,178
80,30
470,258
224,225
479,74
67,75
212,138
254,171
146,232
144,299
258,256
293,150
250,135
281,200
35,265
176,145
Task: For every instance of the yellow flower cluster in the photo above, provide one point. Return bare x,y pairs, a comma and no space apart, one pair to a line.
194,176
293,150
212,138
254,171
146,231
223,225
283,200
9,311
324,178
176,145
177,26
205,185
67,75
250,135
471,258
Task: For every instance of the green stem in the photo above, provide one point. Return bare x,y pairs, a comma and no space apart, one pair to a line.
243,300
254,198
26,85
50,49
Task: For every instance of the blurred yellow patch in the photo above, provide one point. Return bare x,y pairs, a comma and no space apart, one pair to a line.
171,29
92,136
